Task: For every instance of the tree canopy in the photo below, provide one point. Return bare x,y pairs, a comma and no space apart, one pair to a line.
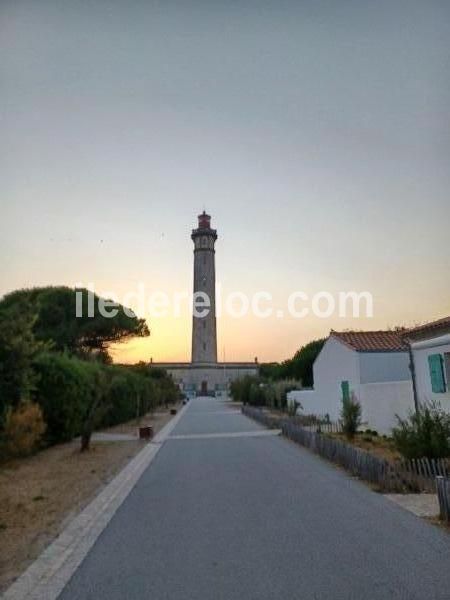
52,373
18,347
56,320
299,367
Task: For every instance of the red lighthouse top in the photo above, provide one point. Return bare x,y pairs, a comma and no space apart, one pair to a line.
204,221
204,227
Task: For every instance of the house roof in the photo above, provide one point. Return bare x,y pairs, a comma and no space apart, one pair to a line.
372,341
428,329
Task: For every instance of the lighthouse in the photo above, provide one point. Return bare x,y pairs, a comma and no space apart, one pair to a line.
204,335
204,376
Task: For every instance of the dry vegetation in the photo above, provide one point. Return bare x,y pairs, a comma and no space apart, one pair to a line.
379,446
40,494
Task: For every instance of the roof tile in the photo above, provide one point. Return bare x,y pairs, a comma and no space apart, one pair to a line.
428,328
372,341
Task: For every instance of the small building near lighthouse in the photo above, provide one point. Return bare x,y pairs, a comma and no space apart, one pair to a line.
204,375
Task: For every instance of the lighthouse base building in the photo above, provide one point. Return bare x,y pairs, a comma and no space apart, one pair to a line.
208,380
204,375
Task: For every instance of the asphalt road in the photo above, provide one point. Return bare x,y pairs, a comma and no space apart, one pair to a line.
257,518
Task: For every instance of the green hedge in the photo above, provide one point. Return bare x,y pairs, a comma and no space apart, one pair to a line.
258,391
67,385
64,390
130,394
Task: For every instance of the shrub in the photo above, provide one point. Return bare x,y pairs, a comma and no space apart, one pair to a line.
257,395
130,395
121,400
257,391
425,434
293,407
351,416
240,389
77,395
282,388
64,391
17,350
23,430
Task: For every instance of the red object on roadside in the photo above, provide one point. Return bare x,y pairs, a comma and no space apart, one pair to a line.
173,411
146,432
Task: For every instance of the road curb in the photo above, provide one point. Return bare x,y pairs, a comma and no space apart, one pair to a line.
47,576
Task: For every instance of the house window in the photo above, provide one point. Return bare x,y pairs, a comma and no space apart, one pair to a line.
436,367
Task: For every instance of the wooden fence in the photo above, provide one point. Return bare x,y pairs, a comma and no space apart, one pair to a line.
443,493
399,476
263,417
319,425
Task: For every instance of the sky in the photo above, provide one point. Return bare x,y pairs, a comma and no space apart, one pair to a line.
316,133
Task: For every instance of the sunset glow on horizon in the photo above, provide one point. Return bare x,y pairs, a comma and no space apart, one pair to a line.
318,139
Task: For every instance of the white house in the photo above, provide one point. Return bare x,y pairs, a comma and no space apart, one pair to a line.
430,346
373,365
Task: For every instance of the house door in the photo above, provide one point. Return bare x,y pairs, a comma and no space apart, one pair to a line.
204,388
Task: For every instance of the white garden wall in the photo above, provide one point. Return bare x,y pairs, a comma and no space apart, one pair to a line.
380,403
308,399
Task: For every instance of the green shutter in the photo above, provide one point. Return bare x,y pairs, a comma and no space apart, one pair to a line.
436,373
447,369
345,387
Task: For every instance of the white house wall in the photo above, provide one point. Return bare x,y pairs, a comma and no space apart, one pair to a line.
421,351
381,382
381,402
335,363
377,367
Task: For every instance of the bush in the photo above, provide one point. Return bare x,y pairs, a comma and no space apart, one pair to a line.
351,416
257,395
240,389
425,434
257,391
17,350
64,391
293,407
119,408
281,390
68,388
23,430
130,395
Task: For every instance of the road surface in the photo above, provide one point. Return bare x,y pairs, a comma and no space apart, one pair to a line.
238,516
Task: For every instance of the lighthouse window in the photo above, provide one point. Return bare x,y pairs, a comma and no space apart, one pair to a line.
204,346
204,324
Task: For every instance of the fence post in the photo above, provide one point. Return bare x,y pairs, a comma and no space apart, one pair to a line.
443,492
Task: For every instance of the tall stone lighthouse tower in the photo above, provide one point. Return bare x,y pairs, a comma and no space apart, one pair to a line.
204,339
